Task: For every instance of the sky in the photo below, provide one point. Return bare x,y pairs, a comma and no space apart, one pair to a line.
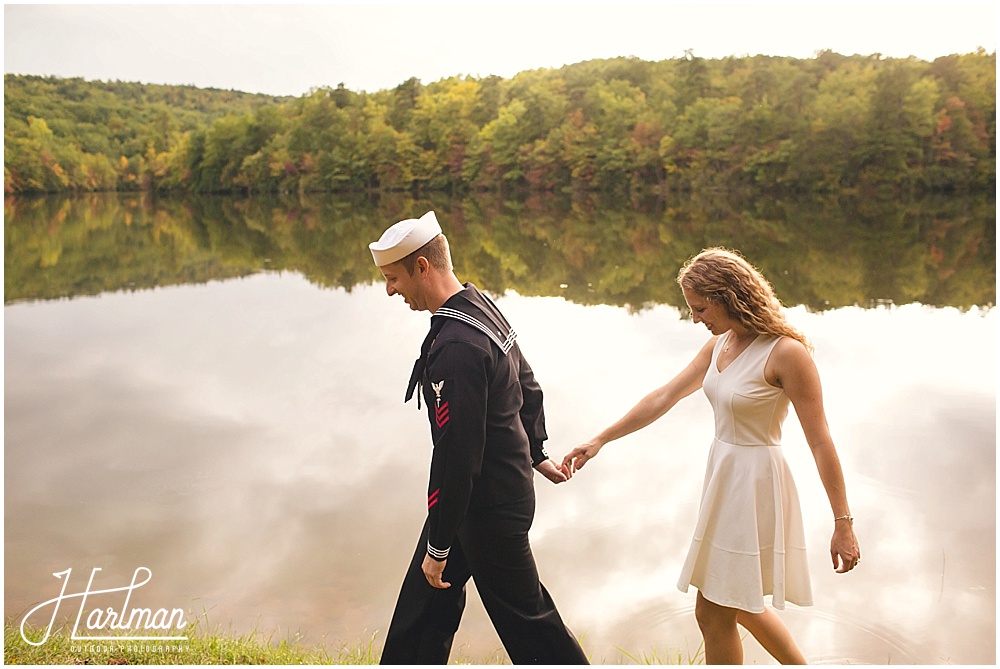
290,49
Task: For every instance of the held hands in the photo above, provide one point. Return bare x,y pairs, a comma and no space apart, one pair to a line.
579,456
844,548
553,472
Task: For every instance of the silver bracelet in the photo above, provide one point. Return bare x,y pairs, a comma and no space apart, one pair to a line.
847,517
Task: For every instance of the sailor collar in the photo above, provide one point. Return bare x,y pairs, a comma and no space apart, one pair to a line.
483,316
476,310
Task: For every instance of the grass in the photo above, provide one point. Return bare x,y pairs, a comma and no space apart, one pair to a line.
668,657
211,646
203,646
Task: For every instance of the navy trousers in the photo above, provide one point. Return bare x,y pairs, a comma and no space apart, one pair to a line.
492,548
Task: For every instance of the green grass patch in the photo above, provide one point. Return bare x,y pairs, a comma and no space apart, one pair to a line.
204,645
207,645
657,656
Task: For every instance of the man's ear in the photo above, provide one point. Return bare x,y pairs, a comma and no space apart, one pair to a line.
422,264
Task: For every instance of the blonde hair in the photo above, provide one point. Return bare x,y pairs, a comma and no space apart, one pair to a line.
726,278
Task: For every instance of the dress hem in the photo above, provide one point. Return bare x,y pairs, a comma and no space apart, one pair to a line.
780,605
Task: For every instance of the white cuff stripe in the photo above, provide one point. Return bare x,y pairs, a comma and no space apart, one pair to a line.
437,553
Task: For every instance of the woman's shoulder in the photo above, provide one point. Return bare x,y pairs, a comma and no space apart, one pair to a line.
790,350
703,358
709,346
789,358
789,343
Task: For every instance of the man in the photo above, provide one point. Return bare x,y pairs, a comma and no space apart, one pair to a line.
487,425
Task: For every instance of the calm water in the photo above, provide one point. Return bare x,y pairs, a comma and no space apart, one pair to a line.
240,431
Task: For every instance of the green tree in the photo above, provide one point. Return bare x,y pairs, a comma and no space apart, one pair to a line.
889,146
442,128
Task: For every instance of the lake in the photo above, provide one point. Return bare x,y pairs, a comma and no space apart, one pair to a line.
212,389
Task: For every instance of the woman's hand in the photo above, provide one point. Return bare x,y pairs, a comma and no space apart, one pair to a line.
844,548
579,456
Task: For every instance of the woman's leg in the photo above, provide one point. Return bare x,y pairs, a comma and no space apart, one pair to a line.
718,628
772,634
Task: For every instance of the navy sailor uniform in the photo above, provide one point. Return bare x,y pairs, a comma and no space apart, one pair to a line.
488,428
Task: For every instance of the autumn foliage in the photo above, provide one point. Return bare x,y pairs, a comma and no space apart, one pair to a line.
827,123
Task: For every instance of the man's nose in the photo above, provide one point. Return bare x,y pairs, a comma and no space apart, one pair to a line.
390,291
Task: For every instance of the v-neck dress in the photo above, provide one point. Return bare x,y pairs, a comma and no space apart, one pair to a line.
749,541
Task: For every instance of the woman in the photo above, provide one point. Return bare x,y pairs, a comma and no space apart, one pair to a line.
749,541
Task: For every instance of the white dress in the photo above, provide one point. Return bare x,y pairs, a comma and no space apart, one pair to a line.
749,541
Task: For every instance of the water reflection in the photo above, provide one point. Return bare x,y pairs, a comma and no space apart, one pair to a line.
823,253
246,440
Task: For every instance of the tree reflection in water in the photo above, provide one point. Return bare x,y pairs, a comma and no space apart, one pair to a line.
823,253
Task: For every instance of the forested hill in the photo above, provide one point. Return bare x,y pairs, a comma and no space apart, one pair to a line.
71,134
800,125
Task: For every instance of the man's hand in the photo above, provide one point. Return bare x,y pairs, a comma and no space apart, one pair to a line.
433,571
553,472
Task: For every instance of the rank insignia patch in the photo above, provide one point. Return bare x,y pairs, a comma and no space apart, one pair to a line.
441,415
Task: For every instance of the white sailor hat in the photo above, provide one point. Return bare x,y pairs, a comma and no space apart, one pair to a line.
404,238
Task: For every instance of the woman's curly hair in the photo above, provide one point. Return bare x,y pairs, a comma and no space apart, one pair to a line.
726,278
